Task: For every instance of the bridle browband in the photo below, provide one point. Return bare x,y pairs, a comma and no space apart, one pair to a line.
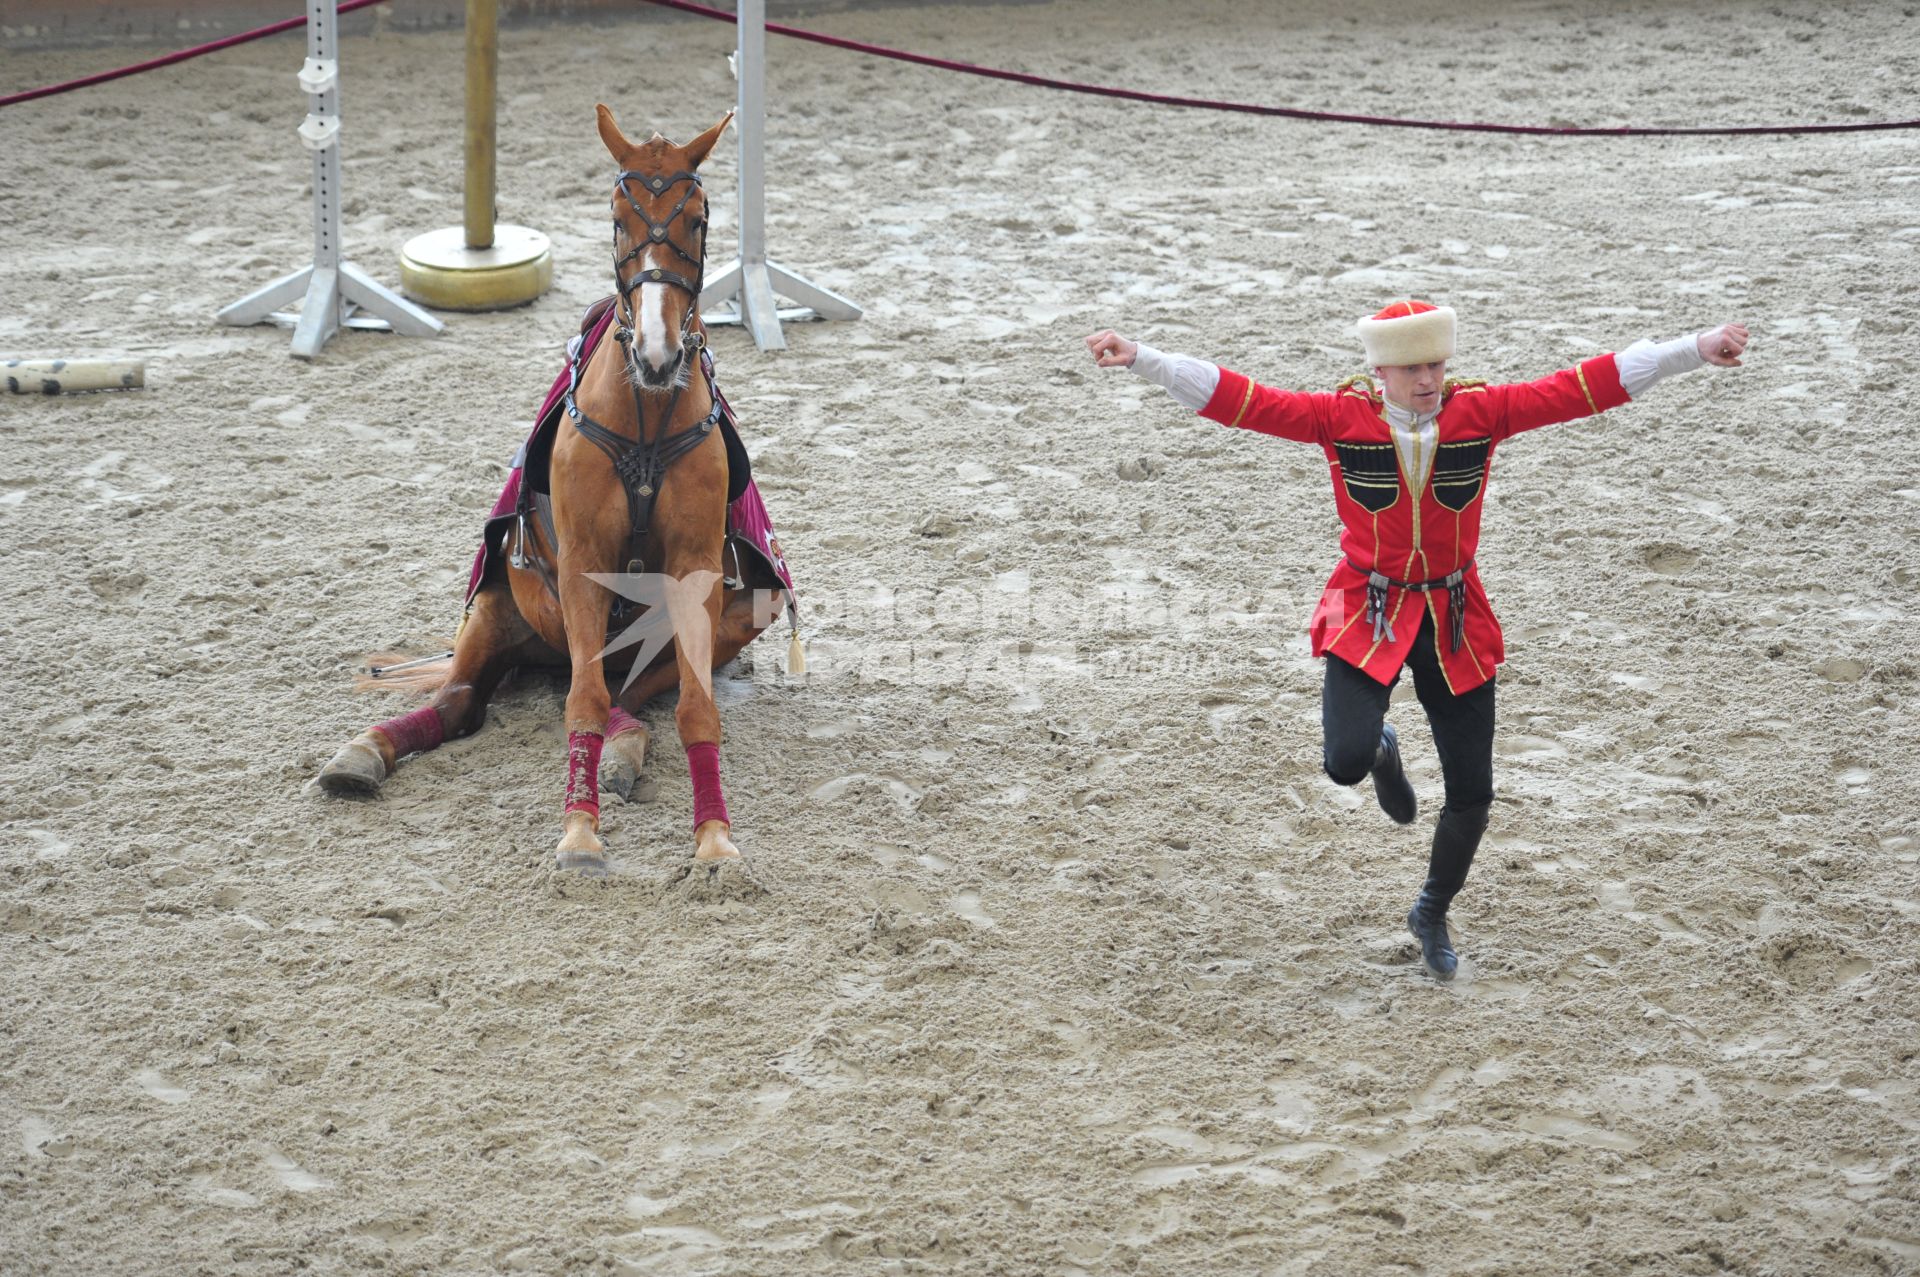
642,465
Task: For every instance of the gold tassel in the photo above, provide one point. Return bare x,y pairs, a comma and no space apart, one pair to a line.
796,655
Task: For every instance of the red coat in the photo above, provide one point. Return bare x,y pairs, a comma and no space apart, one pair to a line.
1412,540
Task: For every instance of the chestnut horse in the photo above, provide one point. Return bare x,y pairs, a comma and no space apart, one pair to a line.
637,473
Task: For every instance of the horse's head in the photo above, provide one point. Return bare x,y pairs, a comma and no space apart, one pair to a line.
659,249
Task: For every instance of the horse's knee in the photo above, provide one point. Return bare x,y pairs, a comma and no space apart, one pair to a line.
740,624
462,709
471,720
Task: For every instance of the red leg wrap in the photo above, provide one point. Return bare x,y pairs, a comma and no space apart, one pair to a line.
583,772
414,733
703,760
619,722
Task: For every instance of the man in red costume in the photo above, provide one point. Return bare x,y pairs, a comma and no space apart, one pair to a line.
1410,457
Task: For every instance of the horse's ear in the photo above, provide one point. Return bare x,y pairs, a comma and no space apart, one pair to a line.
698,149
610,133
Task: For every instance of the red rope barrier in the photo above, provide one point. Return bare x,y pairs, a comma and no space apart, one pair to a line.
1043,82
1294,113
167,60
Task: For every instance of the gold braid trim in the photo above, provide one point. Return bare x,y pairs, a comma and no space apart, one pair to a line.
1244,401
1581,373
1371,394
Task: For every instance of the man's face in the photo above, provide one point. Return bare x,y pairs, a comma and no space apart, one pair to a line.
1415,386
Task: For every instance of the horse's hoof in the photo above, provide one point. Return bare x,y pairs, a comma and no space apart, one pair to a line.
620,766
712,844
586,864
617,775
356,769
580,849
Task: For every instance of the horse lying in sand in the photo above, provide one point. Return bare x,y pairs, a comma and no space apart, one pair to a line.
633,496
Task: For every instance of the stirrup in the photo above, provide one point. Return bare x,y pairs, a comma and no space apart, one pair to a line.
519,558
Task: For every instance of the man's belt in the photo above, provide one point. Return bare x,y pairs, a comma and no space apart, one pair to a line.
1454,583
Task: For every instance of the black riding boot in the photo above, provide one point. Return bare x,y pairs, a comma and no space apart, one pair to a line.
1455,839
1390,784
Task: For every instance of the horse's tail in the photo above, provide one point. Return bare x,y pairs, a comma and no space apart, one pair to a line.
396,672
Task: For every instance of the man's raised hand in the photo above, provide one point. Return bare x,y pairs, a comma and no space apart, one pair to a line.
1722,345
1111,350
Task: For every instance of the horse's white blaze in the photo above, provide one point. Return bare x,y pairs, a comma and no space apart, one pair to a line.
653,315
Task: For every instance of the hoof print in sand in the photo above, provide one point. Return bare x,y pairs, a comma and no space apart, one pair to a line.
891,932
714,881
1810,960
1841,669
1669,559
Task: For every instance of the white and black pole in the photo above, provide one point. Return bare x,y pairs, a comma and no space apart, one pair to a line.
751,281
334,290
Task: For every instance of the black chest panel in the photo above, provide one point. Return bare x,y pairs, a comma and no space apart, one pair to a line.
1371,474
1459,470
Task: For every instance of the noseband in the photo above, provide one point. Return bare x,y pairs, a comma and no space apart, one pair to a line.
660,233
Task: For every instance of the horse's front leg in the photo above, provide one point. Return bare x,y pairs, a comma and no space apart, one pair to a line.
694,598
584,605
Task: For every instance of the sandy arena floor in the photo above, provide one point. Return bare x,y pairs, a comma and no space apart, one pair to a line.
1070,961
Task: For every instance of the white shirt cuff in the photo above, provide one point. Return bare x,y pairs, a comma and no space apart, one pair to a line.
1644,363
1190,381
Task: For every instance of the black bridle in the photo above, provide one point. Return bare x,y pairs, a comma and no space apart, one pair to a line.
642,465
659,233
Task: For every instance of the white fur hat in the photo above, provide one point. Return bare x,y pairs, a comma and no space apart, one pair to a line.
1408,332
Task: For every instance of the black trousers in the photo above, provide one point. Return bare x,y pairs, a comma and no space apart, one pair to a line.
1352,709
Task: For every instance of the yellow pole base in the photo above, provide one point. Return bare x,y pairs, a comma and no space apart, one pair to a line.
438,268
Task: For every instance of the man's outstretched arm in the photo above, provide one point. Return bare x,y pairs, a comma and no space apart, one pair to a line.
1607,381
1190,381
1225,397
1645,363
